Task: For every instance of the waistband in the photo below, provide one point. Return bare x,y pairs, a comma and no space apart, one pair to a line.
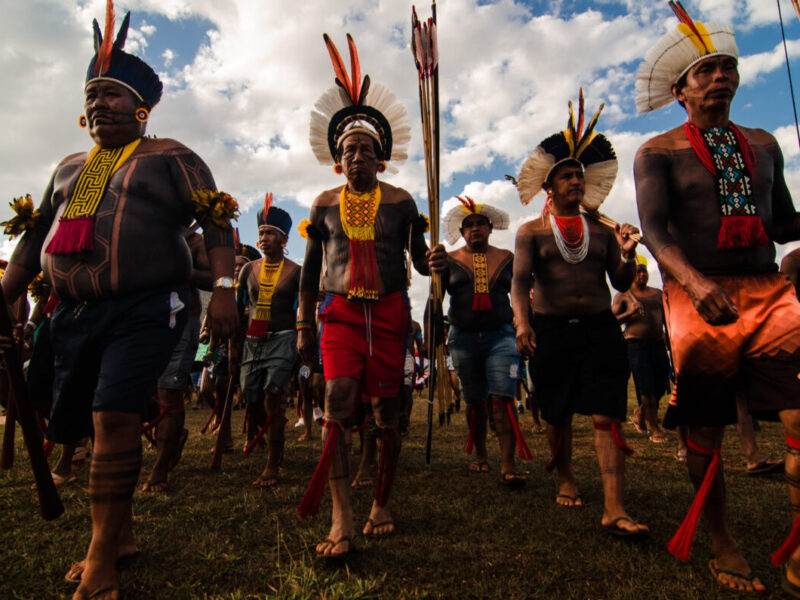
601,317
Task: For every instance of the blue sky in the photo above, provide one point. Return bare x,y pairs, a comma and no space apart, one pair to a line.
241,78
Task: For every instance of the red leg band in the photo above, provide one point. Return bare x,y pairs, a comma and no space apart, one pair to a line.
523,450
681,543
792,542
472,425
309,505
616,435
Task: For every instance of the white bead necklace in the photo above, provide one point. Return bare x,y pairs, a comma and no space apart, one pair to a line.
571,255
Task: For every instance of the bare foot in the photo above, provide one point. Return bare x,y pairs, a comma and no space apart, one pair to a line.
98,581
266,481
731,570
379,523
155,486
304,438
110,592
479,466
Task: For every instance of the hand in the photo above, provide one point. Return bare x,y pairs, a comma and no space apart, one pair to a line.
306,345
712,302
526,340
437,259
626,244
222,314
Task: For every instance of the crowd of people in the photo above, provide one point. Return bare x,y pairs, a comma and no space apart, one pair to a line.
128,234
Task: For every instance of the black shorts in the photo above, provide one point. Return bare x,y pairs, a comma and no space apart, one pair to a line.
108,356
649,365
580,366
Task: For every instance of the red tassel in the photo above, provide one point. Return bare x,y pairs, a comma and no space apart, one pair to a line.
481,302
73,235
386,470
210,417
557,452
741,231
472,425
793,541
309,505
616,435
48,448
258,328
248,450
52,304
523,450
699,146
681,543
165,408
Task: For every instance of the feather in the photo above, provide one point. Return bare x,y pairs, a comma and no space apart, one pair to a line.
338,65
579,128
420,57
429,40
572,135
236,240
355,70
98,36
267,205
364,90
684,18
103,61
122,35
587,136
414,25
468,203
434,46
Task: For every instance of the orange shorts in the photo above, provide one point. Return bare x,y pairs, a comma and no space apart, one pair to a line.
758,355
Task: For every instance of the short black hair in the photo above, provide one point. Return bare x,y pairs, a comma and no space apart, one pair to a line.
680,84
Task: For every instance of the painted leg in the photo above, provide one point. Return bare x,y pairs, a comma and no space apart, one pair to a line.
168,434
567,488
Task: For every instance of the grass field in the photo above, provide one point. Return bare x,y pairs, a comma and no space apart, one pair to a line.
459,534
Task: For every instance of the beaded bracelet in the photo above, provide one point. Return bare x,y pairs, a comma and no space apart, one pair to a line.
303,325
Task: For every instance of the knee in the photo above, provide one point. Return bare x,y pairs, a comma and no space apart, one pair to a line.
116,424
386,412
791,422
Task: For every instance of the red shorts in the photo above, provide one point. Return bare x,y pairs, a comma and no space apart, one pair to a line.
366,341
758,355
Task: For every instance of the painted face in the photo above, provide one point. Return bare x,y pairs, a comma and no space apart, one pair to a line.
567,186
642,276
359,160
269,240
710,85
110,109
475,229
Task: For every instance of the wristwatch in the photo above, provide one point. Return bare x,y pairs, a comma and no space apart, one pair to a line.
225,283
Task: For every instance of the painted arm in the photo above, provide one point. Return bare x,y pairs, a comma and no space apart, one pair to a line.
521,283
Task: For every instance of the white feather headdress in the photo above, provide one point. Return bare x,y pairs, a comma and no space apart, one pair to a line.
357,106
677,52
456,215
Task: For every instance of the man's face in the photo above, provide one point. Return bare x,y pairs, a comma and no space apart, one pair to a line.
110,109
475,230
359,160
642,276
241,261
567,186
269,240
710,85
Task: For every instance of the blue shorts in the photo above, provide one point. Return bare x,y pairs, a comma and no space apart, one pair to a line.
176,375
108,356
486,362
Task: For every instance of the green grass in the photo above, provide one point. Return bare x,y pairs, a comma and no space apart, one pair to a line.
459,534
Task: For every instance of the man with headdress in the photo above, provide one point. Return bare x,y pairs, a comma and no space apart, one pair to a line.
110,241
362,230
268,287
712,200
640,309
580,362
481,337
171,435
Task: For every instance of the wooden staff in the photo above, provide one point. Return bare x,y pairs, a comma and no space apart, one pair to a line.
49,502
219,448
608,221
7,459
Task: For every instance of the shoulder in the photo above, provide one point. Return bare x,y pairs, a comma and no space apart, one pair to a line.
758,136
393,195
502,253
327,198
674,139
78,158
531,228
150,145
290,265
791,262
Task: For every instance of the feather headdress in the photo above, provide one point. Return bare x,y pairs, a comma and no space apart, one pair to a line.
357,105
677,52
588,148
112,63
466,207
272,216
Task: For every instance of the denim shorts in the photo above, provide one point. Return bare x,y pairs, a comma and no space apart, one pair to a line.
486,362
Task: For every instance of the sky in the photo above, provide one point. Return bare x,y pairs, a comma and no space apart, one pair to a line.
241,77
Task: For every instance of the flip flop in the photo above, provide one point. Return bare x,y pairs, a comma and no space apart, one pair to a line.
480,466
513,481
375,526
576,500
765,467
263,483
334,543
361,483
96,593
716,572
680,457
150,486
614,529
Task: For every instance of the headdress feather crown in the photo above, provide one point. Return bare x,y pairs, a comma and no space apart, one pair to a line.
272,216
356,105
112,63
590,149
677,52
456,215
